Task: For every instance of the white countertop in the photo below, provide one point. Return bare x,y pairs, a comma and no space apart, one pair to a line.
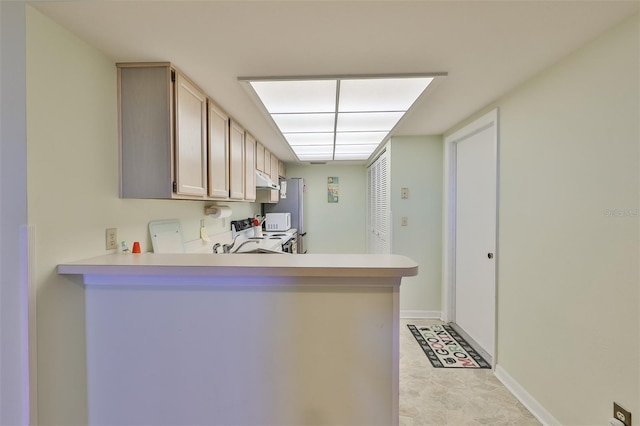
274,265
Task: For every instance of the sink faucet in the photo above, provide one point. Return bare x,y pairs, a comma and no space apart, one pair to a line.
226,248
243,243
215,248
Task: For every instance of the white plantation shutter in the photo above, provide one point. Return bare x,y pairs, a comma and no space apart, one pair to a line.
379,205
384,206
370,208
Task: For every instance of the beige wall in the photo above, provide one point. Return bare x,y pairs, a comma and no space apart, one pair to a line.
568,269
416,164
14,382
73,196
568,278
334,227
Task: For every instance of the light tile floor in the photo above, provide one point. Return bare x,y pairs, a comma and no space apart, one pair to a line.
451,396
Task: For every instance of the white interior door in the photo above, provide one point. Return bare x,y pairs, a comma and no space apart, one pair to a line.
475,235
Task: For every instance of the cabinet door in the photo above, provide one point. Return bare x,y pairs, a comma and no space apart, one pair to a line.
218,152
236,163
260,157
282,171
249,167
146,116
267,162
191,139
274,195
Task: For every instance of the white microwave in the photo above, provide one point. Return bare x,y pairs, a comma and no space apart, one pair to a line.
277,221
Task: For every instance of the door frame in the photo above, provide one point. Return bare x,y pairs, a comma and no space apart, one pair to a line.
488,120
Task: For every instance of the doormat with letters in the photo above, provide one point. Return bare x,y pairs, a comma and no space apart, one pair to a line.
445,348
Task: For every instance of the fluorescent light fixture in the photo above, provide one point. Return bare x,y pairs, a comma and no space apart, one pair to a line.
305,123
392,94
338,118
313,155
352,157
309,138
297,96
304,157
313,150
355,149
356,138
368,121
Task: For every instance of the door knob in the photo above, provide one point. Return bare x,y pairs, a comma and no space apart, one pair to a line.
490,255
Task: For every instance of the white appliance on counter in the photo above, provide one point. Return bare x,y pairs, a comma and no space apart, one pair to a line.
277,221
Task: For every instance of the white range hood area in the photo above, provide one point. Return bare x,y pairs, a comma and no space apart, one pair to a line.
264,182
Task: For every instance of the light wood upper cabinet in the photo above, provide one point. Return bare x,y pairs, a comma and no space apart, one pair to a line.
267,162
274,168
218,152
274,194
236,161
162,131
175,142
260,157
191,138
249,167
282,169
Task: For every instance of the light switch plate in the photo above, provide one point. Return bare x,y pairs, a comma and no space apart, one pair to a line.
111,239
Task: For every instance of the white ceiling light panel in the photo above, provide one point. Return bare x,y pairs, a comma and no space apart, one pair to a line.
367,121
305,123
314,149
352,156
309,138
375,94
314,152
297,96
322,158
338,118
355,149
357,138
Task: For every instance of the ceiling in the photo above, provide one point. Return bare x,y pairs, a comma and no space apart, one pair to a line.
486,47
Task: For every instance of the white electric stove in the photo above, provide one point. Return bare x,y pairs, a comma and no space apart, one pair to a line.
288,238
251,239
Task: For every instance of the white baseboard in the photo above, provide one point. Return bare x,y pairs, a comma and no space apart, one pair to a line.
421,314
525,398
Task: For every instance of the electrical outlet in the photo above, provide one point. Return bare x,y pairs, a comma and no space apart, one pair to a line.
404,221
404,193
111,238
621,414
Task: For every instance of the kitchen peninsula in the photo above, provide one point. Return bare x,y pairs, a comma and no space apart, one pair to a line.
242,339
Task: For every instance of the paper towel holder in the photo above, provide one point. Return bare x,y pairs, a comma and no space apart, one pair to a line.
217,212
